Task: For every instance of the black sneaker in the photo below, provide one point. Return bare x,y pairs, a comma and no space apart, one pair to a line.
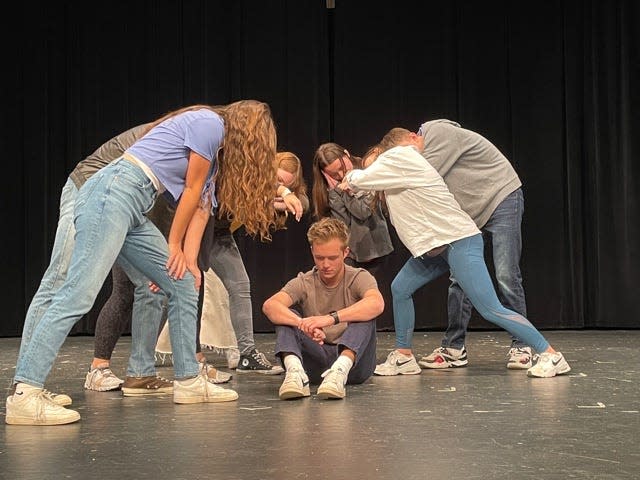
256,362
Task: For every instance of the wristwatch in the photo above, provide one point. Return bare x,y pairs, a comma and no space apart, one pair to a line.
336,318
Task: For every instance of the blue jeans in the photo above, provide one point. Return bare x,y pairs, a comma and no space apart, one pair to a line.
465,260
146,317
109,221
506,238
56,272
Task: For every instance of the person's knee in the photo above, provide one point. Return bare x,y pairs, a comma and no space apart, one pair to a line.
398,289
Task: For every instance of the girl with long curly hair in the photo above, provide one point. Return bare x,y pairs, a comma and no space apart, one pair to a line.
177,157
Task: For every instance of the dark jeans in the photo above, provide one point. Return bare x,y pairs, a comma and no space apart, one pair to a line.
359,337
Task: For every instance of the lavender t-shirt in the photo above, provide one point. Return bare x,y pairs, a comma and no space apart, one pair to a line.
166,147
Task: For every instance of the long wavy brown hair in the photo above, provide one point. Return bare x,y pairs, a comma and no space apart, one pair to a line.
325,154
246,179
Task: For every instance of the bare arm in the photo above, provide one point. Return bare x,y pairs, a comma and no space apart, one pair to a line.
192,240
276,308
369,307
197,171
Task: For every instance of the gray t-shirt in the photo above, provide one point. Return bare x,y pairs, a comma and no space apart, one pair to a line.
313,297
105,154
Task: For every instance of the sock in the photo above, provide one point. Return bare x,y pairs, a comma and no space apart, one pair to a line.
292,362
26,388
344,363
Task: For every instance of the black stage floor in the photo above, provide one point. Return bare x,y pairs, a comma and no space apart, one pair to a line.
479,422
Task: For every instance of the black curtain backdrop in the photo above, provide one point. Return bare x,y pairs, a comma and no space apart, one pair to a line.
553,84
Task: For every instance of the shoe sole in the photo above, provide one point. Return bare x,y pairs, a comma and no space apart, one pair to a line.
204,399
519,366
100,389
293,393
411,372
261,372
18,420
438,366
555,374
330,394
135,392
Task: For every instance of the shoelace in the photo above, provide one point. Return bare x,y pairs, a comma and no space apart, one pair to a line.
42,399
261,359
49,395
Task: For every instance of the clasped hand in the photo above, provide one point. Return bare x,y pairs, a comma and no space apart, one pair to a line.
313,326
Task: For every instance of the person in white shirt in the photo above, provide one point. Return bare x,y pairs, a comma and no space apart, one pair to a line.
441,238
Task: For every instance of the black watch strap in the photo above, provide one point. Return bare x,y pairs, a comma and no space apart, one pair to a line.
336,318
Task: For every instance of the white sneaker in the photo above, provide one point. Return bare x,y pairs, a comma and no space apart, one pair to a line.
102,380
519,358
201,390
294,385
333,384
233,357
398,364
215,375
549,365
58,398
445,358
31,406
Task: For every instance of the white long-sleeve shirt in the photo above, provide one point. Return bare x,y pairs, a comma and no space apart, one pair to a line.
421,208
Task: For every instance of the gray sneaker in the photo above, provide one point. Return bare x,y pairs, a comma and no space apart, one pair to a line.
102,380
215,375
519,358
31,406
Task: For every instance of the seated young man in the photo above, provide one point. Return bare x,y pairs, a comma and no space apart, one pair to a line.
334,341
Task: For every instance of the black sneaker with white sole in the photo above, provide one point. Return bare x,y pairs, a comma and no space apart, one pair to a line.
255,362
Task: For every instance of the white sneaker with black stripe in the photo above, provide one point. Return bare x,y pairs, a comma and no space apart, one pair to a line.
398,364
549,365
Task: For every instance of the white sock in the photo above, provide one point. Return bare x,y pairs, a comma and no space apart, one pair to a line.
344,363
292,362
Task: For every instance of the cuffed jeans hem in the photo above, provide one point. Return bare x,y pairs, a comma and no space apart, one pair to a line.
28,382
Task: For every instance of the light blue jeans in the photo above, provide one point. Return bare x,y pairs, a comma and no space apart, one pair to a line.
56,272
506,240
465,260
109,221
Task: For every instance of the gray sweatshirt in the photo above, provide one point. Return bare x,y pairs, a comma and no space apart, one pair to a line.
105,154
478,175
